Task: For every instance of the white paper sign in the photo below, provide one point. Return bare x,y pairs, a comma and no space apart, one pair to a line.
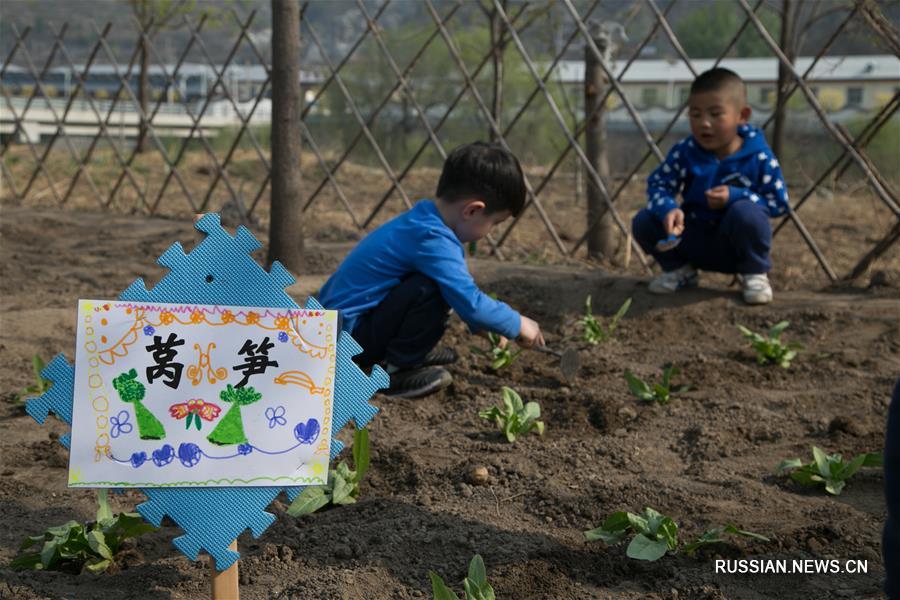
171,395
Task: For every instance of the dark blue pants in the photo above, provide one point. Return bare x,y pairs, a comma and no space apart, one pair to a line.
405,326
739,242
890,539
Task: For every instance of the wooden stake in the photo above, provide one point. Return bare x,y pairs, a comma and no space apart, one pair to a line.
225,583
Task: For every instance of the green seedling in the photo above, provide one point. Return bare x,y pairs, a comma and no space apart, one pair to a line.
656,534
769,348
594,331
657,392
515,418
343,483
500,357
717,535
74,547
40,386
475,584
829,470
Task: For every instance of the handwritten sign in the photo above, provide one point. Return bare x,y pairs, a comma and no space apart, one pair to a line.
197,395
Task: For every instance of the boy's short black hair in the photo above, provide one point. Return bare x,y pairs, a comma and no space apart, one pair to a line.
719,79
484,171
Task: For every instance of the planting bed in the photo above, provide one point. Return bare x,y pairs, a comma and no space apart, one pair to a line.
705,459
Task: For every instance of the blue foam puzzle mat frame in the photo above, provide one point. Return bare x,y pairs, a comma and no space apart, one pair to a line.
220,270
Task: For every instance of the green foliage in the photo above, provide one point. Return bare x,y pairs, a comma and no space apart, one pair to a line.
500,357
74,546
475,584
226,137
881,150
717,535
657,392
515,418
343,484
370,79
769,348
155,15
655,534
40,385
594,331
829,470
706,31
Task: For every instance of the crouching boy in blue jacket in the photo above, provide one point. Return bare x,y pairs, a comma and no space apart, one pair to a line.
731,184
396,288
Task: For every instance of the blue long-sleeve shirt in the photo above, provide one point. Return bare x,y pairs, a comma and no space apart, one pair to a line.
752,174
415,241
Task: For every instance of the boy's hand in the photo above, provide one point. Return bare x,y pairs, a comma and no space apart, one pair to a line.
673,222
502,342
717,197
530,333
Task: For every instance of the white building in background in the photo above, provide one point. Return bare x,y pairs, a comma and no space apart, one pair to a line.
844,85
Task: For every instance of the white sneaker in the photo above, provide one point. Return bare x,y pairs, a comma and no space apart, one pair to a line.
671,281
757,289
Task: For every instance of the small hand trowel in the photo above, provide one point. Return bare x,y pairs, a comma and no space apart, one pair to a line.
569,361
668,243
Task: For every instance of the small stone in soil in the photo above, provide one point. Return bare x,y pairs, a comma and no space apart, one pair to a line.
478,475
627,412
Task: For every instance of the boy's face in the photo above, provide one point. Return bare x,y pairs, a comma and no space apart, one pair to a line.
474,223
715,117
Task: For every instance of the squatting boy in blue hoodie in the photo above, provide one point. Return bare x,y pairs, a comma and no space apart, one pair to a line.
396,288
731,184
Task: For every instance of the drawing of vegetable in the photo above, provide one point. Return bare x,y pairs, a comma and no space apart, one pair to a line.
132,391
230,429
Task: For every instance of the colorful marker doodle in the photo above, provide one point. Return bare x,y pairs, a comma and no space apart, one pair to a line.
119,425
190,455
195,409
276,416
132,391
301,379
230,429
211,382
213,375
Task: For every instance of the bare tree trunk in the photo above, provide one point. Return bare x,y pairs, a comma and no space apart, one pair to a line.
143,96
497,34
788,45
286,224
600,238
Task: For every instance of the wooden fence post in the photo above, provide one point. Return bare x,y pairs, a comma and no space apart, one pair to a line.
286,222
600,238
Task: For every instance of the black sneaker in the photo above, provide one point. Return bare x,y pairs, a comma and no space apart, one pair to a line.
415,383
440,356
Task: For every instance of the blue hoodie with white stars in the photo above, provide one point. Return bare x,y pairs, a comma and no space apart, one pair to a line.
752,174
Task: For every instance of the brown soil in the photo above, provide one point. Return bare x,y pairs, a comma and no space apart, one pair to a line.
705,459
